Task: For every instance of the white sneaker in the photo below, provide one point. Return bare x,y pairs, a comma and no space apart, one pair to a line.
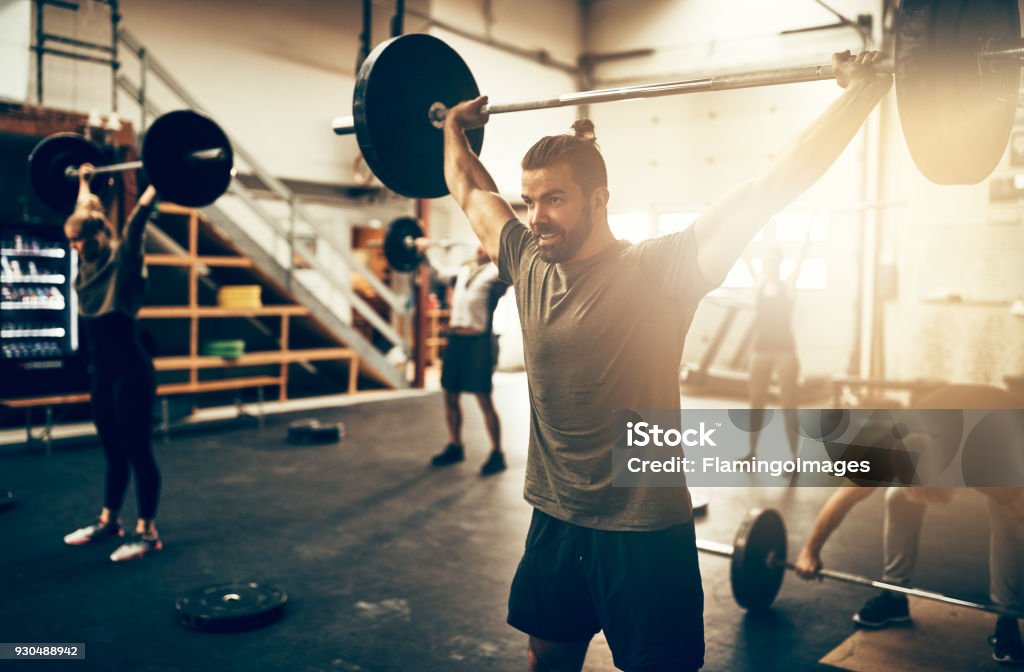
97,532
136,547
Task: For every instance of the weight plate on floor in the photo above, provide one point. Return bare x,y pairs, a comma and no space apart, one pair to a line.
179,177
758,559
309,432
400,256
49,161
396,86
231,607
957,112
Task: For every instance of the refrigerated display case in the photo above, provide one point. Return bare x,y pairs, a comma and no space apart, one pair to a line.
38,311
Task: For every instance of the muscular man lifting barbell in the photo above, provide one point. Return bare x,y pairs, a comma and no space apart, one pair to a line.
603,328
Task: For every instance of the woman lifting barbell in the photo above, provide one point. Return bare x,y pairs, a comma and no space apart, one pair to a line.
110,285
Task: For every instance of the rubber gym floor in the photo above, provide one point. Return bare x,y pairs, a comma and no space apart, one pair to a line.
388,564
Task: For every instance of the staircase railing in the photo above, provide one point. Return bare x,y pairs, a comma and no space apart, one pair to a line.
140,91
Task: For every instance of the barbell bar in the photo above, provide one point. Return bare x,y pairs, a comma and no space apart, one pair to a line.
211,154
436,113
185,154
956,65
346,125
758,565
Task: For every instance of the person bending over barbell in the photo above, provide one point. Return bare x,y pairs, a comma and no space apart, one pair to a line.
110,285
603,328
933,440
904,515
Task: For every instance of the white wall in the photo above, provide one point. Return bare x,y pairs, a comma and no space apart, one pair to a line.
15,31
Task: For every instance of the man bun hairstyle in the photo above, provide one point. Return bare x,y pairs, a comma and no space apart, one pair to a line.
579,149
583,129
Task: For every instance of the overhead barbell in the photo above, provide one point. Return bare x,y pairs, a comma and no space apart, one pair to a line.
956,62
758,567
185,154
400,244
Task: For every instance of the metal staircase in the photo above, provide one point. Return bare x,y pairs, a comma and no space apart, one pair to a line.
266,228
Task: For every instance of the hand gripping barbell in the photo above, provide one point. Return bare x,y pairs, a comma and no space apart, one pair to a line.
759,564
957,68
186,156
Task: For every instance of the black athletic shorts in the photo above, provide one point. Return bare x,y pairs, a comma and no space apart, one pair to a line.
642,588
468,363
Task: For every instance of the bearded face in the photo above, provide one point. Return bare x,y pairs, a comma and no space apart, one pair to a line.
559,215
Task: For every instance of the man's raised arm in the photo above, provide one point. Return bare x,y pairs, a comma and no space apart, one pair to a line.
732,221
470,184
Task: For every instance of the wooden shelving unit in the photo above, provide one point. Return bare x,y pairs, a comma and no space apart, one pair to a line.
193,363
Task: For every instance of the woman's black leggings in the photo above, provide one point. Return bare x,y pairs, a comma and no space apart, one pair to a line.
123,412
123,394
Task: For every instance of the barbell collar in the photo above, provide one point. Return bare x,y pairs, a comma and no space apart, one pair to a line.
344,125
1011,52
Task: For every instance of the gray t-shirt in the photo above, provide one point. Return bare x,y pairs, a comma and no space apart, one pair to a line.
116,281
601,334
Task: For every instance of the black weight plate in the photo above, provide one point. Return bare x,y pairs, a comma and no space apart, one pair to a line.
401,257
307,432
327,433
300,431
49,161
231,607
167,156
7,499
397,84
755,578
957,113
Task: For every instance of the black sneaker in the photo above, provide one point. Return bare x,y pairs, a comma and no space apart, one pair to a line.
883,610
494,464
95,532
452,454
1007,647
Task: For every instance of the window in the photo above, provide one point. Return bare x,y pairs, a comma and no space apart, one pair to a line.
813,274
791,226
739,276
674,222
631,226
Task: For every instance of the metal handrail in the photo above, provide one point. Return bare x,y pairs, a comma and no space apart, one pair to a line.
151,65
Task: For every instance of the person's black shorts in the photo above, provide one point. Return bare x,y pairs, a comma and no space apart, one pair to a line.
468,363
642,588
